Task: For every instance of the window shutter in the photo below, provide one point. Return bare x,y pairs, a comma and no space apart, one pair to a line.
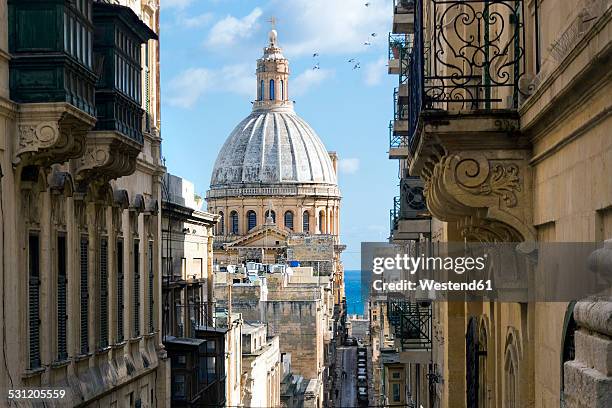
34,300
103,293
151,290
136,298
120,305
84,295
62,281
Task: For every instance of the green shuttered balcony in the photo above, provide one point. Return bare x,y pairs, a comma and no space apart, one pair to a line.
51,46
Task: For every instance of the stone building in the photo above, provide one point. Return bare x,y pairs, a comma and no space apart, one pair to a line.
194,339
502,118
80,184
261,367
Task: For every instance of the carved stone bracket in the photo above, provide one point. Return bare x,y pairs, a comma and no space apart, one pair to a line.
476,173
108,155
50,133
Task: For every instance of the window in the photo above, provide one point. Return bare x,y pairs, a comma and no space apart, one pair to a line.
234,222
261,90
178,389
289,220
282,89
119,291
396,393
151,289
136,294
211,369
84,297
306,221
322,229
62,313
271,89
34,299
271,214
103,340
251,220
221,225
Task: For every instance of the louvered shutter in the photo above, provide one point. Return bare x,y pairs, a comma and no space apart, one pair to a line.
120,305
151,289
34,300
103,293
62,316
136,294
84,295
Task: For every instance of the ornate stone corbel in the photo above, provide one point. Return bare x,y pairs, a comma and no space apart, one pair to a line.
108,155
50,133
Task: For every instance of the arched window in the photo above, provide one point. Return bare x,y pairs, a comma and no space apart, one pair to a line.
568,344
251,220
289,220
282,85
221,225
261,90
271,213
322,222
271,89
234,222
306,221
482,366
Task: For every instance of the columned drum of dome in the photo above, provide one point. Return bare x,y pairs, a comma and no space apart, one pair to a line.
274,162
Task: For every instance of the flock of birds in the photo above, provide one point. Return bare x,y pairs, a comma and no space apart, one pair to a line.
353,61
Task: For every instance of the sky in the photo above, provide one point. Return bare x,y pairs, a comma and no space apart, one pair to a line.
209,50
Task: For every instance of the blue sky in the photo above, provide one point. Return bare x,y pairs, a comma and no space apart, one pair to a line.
208,53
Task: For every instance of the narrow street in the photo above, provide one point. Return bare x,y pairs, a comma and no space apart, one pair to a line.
347,382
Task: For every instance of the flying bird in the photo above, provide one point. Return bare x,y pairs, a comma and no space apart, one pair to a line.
357,66
373,34
316,66
316,54
351,60
368,4
367,43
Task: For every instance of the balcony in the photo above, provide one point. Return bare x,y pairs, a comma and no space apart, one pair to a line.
51,77
399,46
403,16
409,218
398,143
411,323
464,131
112,148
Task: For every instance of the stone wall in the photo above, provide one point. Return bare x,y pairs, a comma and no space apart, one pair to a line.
588,378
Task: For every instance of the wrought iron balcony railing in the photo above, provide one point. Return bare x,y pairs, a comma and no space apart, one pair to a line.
394,214
399,44
397,141
400,108
411,322
472,58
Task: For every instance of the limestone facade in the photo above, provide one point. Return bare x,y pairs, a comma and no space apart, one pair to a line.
525,160
79,194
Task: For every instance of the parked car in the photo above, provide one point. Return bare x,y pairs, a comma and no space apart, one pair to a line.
361,371
361,364
362,380
350,341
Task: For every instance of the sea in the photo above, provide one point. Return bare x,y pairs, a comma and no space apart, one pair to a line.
352,287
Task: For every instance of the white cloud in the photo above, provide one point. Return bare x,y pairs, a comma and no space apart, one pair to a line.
374,71
230,29
186,89
333,26
178,4
308,79
195,21
349,165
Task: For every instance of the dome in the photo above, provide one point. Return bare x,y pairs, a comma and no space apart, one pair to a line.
273,145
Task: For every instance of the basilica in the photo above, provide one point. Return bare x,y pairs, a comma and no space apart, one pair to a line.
273,177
